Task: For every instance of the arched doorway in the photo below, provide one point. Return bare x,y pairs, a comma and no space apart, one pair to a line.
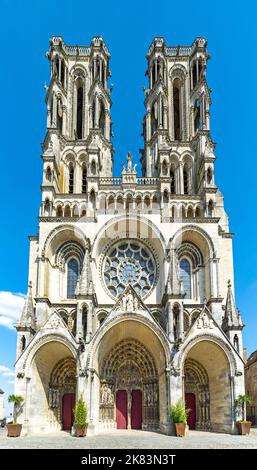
197,395
63,386
129,386
207,387
130,342
52,387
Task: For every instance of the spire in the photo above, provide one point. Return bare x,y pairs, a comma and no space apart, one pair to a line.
174,281
27,319
232,317
85,283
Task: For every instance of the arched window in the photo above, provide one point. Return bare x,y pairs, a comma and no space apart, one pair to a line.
47,208
176,312
172,182
176,109
194,74
185,178
84,180
185,274
190,213
23,343
236,342
59,115
56,66
165,197
93,167
154,117
164,168
111,204
62,72
209,175
92,200
71,178
79,112
59,211
198,212
102,118
72,277
67,211
197,115
48,174
200,67
210,208
84,322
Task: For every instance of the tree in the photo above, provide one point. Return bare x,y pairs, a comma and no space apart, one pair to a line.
242,401
80,413
17,401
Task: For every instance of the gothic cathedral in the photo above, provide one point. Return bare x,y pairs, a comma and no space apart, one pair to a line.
131,295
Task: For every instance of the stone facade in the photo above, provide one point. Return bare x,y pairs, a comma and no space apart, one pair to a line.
131,296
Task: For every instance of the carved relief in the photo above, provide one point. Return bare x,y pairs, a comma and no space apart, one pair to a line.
204,321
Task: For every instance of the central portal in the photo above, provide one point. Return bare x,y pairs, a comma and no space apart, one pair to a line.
129,393
129,409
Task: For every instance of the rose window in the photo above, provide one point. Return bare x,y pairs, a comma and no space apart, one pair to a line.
132,264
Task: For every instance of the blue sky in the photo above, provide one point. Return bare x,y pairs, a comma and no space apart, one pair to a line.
128,28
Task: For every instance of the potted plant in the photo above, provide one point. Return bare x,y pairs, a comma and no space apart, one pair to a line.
80,416
179,414
14,429
243,425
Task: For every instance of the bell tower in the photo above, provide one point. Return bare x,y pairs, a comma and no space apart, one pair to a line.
77,148
177,141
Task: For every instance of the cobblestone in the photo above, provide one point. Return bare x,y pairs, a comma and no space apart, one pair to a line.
130,440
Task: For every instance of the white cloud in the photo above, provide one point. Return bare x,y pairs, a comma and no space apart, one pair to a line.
10,381
8,374
10,308
6,371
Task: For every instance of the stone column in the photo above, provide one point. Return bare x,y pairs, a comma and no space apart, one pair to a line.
181,323
89,322
54,114
79,332
170,322
101,70
181,175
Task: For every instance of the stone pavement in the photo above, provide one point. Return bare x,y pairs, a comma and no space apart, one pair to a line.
130,440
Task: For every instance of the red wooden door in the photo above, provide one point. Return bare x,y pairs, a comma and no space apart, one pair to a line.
190,403
68,403
136,409
121,409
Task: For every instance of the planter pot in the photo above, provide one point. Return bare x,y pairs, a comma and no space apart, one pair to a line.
244,427
81,432
14,430
180,429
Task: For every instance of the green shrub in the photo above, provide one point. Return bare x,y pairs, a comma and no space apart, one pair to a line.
179,412
80,413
